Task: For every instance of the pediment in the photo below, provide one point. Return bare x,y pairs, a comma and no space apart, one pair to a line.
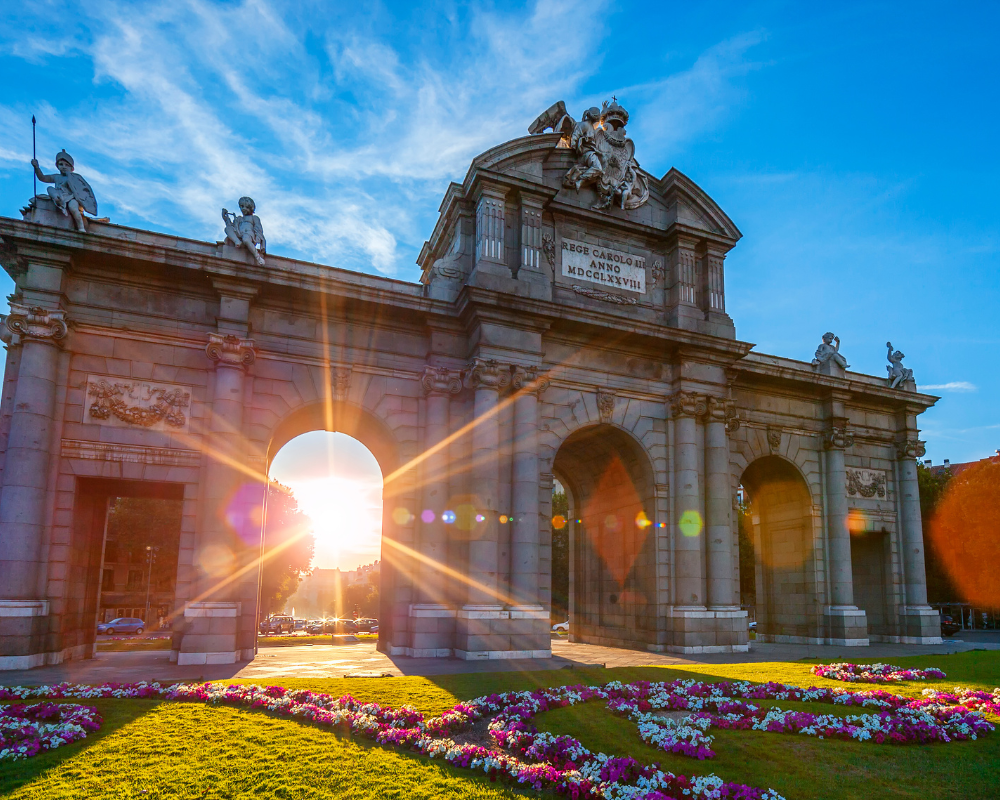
693,207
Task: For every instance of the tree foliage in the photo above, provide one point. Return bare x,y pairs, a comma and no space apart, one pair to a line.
940,588
289,545
963,531
135,523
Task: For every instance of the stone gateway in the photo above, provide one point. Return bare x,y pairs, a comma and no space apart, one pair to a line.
569,327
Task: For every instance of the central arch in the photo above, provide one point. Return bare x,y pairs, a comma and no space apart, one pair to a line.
611,494
780,514
397,493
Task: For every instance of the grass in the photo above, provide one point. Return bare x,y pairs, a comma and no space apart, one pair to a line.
149,749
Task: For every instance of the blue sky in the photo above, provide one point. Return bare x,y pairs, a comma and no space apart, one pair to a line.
855,147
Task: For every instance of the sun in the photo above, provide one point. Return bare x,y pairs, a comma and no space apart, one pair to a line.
346,516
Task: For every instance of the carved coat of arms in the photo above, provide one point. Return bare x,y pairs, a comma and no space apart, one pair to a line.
605,156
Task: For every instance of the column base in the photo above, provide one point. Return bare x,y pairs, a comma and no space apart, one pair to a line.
846,626
432,631
23,624
210,635
697,629
488,632
920,625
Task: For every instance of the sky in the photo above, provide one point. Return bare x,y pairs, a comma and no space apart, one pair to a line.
854,145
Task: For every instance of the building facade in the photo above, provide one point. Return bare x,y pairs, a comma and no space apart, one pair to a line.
570,324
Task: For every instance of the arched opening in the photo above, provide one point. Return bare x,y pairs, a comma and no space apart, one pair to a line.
610,499
324,517
343,465
778,509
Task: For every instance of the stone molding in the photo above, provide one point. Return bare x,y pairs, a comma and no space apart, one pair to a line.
606,405
118,403
36,323
910,448
527,380
606,297
130,454
441,380
230,351
838,437
485,373
341,379
24,608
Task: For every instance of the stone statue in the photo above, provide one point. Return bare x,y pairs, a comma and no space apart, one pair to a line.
71,193
605,156
246,231
897,372
828,353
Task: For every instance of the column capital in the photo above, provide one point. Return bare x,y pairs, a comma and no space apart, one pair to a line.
910,448
688,404
35,322
838,436
483,373
441,380
528,380
230,350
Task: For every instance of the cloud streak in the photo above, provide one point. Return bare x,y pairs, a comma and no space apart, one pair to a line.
951,386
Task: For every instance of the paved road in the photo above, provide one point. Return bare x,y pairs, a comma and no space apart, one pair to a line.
329,661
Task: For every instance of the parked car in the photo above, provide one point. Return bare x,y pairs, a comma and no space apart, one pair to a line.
300,624
948,626
333,626
279,624
561,626
366,625
122,625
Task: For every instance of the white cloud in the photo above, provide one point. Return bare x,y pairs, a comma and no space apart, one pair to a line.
952,386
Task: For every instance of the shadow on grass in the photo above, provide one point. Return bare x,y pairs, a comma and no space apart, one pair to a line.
115,715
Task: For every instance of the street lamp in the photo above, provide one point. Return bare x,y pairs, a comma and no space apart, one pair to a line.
150,558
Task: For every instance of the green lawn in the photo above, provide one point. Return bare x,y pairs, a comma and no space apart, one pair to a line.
150,749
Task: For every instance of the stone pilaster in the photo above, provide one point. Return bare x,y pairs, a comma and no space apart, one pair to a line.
529,629
214,631
40,333
432,622
846,623
718,508
689,531
921,623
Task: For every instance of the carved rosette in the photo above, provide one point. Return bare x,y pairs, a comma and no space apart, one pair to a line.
910,448
838,437
441,380
484,373
606,405
230,350
36,323
527,380
341,378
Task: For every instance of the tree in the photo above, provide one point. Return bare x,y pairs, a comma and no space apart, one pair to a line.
362,598
560,555
748,558
940,588
963,532
135,523
289,545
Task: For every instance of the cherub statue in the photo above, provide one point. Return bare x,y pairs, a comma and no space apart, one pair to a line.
246,231
897,372
829,351
71,192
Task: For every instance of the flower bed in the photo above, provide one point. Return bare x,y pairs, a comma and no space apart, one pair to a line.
874,673
26,730
525,756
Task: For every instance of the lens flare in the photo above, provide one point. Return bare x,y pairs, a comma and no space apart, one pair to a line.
641,520
428,516
448,517
559,522
401,516
690,523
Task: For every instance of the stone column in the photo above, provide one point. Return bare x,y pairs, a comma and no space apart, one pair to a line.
432,621
921,623
481,627
40,333
718,509
846,622
228,539
689,532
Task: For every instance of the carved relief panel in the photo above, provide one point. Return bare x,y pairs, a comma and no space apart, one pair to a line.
866,483
123,403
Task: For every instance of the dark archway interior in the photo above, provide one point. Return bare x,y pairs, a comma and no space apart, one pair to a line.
610,488
781,522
